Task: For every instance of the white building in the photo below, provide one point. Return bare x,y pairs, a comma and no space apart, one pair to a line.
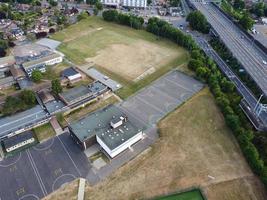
41,63
110,128
134,3
18,141
113,3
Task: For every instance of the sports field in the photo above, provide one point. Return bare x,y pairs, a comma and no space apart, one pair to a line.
190,195
128,54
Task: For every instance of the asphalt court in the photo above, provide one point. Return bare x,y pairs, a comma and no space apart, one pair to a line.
161,97
42,169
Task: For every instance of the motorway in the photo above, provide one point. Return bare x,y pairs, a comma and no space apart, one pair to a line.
241,88
247,53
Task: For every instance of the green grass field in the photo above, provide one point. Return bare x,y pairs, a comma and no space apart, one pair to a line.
122,53
190,195
44,132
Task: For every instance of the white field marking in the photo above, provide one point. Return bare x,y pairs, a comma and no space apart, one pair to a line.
1,165
28,195
44,148
70,156
63,175
36,173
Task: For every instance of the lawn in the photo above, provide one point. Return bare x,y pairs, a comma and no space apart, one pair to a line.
190,195
44,132
124,54
194,145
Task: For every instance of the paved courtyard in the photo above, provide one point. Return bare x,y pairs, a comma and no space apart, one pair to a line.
38,171
161,97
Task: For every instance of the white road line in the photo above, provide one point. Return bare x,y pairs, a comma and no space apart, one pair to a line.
36,173
70,157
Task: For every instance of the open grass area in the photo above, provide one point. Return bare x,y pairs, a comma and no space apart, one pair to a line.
194,145
190,195
127,54
44,132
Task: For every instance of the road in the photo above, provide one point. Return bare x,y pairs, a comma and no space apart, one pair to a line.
241,88
247,53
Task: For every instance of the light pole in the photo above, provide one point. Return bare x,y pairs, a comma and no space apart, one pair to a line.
258,102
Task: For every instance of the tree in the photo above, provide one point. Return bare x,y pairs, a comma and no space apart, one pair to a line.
36,76
174,3
239,4
98,5
52,3
91,2
82,15
52,30
232,121
198,21
110,15
56,86
246,22
149,2
28,97
11,105
95,11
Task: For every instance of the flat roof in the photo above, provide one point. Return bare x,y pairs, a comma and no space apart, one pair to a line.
12,141
95,74
52,44
98,123
54,106
7,60
40,60
20,120
75,93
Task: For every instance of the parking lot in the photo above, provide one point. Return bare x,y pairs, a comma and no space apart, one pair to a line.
38,171
161,97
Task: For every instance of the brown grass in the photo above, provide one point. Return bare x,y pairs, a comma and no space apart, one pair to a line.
194,144
131,61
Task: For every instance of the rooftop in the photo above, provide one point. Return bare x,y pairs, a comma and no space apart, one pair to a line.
98,123
7,60
69,72
40,60
83,91
12,141
95,74
75,93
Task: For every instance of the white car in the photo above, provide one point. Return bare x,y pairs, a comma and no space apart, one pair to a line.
264,62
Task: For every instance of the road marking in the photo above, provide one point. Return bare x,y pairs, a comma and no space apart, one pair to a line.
69,156
20,191
39,179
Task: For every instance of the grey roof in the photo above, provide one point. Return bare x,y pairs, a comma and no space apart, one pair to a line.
95,74
8,60
98,123
12,141
20,120
79,93
40,61
76,93
7,80
69,72
54,106
52,44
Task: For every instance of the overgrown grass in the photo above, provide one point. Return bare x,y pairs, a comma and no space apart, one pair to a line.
44,132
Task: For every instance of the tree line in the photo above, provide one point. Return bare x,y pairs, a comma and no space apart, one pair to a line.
226,96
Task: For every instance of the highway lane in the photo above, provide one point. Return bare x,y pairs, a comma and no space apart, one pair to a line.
243,49
241,88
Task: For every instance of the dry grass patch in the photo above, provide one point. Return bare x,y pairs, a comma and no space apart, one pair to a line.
132,60
68,192
44,132
194,143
